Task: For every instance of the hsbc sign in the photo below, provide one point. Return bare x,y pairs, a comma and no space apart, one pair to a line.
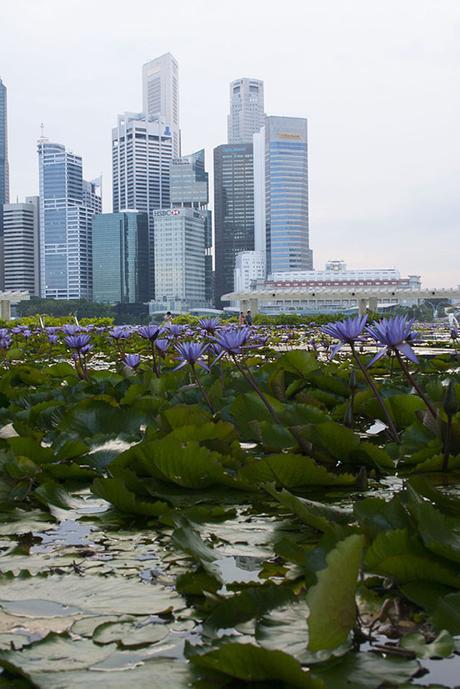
169,212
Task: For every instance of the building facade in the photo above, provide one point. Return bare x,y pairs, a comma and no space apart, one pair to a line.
250,266
21,245
233,211
180,266
65,224
284,169
246,110
4,170
120,257
190,189
142,150
160,94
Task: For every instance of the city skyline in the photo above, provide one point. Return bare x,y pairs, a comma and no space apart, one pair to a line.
383,151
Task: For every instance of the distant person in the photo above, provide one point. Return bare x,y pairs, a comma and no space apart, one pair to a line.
248,319
168,318
241,320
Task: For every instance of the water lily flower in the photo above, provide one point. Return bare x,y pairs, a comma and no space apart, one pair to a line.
78,342
174,329
5,341
395,334
232,341
191,353
119,333
52,339
348,332
162,345
132,360
70,329
210,325
150,332
454,333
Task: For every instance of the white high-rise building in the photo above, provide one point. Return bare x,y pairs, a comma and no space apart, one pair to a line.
21,245
142,150
160,94
180,266
246,110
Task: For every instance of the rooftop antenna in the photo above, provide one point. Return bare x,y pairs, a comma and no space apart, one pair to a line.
42,132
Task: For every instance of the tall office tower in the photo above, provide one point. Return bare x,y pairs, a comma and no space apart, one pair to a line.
246,110
233,211
4,173
65,224
92,194
281,177
142,150
21,245
160,94
190,189
120,257
179,259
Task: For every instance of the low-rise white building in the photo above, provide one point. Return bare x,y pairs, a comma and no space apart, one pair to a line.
249,266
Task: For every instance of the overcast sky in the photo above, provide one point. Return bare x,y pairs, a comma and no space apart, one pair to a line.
378,81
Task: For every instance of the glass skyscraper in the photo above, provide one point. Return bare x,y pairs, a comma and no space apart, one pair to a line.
285,172
120,257
246,110
233,211
67,206
4,175
142,149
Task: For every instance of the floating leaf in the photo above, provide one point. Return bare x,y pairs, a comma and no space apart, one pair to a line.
331,601
253,664
442,647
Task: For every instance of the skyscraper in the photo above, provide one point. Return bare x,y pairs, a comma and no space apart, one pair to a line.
179,259
246,110
65,223
190,189
120,257
160,94
4,173
21,245
233,211
281,178
142,149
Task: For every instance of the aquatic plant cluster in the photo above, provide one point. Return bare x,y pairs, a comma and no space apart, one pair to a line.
221,506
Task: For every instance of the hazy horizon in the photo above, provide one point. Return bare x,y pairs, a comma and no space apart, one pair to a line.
377,81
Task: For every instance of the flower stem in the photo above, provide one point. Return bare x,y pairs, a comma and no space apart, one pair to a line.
202,390
377,395
251,380
414,383
445,462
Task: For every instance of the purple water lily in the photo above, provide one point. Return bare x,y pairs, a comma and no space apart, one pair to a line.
119,333
210,325
174,329
70,329
5,341
78,342
162,345
232,341
150,332
395,334
132,360
52,339
454,333
191,353
348,332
